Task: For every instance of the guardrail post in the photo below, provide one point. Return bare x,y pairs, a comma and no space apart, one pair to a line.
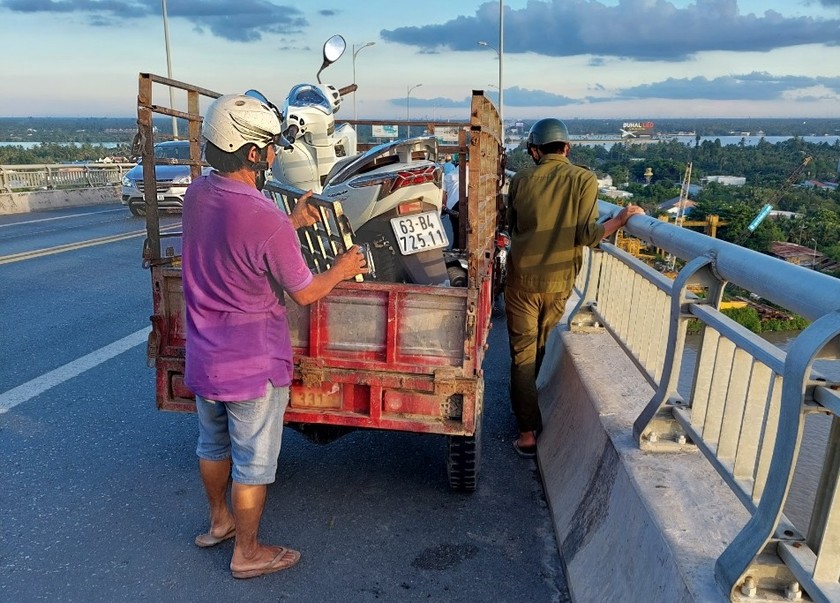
4,181
656,428
581,318
759,545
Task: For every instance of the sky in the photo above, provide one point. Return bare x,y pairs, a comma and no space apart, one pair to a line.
617,59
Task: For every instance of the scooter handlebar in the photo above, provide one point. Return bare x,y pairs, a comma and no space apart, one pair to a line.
289,135
348,89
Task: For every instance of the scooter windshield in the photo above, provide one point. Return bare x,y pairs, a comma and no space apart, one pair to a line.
307,95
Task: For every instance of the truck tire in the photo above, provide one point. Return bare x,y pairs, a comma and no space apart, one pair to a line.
464,458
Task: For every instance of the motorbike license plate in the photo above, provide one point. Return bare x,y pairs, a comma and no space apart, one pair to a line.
419,232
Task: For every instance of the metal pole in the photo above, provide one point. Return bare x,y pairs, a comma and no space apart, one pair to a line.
814,262
169,68
355,52
501,61
499,86
407,105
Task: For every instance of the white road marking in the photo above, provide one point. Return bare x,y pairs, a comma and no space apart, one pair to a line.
104,211
36,253
39,385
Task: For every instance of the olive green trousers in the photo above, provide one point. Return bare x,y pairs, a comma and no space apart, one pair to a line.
530,319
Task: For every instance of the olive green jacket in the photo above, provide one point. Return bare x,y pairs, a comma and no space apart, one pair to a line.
552,213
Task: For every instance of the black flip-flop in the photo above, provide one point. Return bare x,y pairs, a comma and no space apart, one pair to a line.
526,452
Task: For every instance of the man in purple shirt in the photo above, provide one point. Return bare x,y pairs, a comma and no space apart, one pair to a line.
240,253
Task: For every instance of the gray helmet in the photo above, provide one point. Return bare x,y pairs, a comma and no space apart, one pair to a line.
548,130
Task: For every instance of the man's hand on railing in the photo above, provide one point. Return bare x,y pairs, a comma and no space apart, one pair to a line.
620,219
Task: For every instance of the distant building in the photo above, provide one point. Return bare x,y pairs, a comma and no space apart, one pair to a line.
800,255
726,180
672,206
777,213
614,193
831,186
605,182
606,189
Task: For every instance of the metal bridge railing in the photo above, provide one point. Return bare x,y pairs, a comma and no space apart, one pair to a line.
747,400
22,178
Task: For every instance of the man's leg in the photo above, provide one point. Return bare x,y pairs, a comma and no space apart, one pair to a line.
522,310
248,504
256,429
552,310
213,450
215,476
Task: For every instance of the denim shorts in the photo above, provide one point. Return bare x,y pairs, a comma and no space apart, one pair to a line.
249,433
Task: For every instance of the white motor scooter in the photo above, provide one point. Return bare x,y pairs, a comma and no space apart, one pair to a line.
391,194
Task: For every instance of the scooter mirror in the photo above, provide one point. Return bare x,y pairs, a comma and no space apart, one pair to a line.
333,49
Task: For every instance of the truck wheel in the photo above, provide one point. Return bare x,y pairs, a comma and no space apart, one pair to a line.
464,460
457,275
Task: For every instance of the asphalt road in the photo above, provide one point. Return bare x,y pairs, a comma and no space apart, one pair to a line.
100,497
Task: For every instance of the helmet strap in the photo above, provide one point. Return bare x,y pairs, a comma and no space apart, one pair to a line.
260,166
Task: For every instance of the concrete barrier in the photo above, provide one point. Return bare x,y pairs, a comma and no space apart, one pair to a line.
630,525
21,203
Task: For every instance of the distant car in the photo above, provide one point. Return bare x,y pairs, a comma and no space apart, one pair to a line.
172,178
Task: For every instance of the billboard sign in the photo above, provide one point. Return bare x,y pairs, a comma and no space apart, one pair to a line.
447,134
384,131
637,129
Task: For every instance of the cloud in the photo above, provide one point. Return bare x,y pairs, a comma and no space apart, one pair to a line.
644,30
755,86
514,97
235,20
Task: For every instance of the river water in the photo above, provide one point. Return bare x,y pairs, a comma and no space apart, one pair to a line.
724,140
800,500
32,144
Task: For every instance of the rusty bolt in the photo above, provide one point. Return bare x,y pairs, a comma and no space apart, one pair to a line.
793,592
748,588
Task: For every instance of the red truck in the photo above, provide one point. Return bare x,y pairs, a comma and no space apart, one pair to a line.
370,355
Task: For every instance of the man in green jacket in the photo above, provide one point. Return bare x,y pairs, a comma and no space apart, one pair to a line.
552,212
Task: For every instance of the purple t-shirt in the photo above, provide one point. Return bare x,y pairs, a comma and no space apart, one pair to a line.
239,253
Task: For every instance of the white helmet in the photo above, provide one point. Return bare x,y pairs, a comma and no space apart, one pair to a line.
234,120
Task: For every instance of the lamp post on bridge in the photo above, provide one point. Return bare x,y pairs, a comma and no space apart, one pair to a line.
499,86
355,52
407,102
169,68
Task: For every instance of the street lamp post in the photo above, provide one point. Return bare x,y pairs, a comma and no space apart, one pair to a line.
499,54
169,68
355,52
814,261
407,101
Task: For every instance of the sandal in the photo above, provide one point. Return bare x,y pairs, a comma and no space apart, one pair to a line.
526,452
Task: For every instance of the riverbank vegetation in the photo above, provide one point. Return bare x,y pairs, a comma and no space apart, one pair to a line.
751,319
